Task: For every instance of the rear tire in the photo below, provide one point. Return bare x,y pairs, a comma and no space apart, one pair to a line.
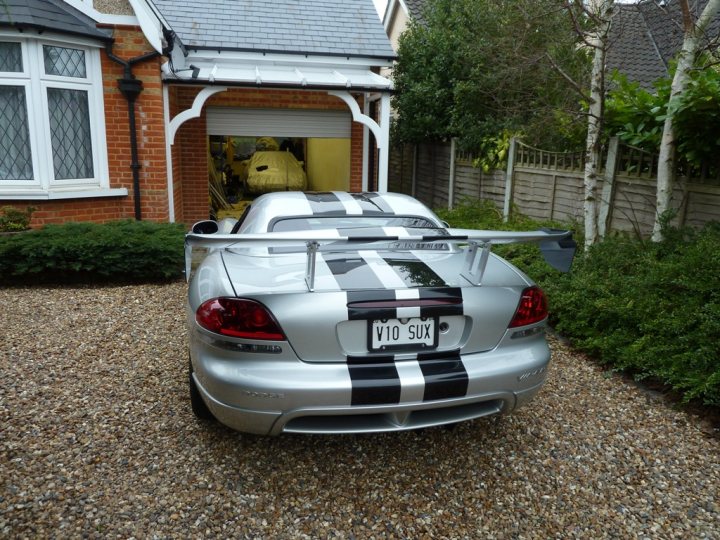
199,408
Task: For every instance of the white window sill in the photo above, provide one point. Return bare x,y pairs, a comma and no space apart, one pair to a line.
60,195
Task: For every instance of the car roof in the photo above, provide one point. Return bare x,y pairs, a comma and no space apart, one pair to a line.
270,206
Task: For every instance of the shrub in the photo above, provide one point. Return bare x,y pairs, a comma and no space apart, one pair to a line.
14,220
116,252
650,309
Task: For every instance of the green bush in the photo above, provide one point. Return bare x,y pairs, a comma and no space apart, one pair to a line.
651,309
14,220
116,252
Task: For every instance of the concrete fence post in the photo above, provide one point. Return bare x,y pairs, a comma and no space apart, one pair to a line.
509,180
608,190
451,180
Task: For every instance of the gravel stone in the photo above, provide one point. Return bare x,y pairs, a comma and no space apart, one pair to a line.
97,440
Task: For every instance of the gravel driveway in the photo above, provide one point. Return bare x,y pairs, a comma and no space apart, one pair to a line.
97,440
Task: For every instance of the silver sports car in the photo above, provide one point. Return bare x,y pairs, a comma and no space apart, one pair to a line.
358,312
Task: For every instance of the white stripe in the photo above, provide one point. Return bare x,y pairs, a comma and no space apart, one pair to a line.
324,278
400,232
408,312
301,200
412,381
384,272
352,207
407,294
397,209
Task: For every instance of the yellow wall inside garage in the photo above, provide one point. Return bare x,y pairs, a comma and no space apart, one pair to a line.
328,164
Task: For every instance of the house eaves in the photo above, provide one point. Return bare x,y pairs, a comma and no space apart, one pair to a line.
49,15
273,70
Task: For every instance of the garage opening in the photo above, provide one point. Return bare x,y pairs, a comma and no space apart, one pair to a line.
255,151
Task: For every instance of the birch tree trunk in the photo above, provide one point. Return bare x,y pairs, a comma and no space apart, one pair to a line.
693,32
600,11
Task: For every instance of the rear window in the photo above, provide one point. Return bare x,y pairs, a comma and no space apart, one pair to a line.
314,223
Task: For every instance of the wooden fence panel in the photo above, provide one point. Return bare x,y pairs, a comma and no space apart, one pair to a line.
400,169
549,185
633,208
471,182
568,200
702,204
532,193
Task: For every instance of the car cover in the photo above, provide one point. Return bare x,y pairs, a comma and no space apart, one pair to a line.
275,171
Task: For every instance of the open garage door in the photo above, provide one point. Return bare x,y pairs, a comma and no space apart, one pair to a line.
320,140
305,123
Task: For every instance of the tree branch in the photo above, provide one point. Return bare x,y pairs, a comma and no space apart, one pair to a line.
567,77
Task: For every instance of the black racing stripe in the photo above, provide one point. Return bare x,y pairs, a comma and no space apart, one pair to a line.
445,375
373,203
448,294
351,272
325,203
375,380
371,360
413,271
357,313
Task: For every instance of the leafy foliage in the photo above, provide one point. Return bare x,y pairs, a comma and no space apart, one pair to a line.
652,309
116,252
637,115
479,70
14,220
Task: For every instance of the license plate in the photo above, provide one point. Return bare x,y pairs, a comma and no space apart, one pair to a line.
410,333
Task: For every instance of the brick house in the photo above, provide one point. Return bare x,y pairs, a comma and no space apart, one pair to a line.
113,110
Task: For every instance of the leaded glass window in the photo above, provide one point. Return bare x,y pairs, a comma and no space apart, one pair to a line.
10,57
64,62
15,154
52,124
70,133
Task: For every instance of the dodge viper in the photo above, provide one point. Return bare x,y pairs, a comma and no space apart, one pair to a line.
358,312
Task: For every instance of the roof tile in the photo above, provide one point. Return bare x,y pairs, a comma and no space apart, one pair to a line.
349,27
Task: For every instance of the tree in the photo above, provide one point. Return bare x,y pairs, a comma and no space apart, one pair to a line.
476,69
594,30
693,31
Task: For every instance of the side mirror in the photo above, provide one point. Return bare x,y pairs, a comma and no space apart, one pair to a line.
205,227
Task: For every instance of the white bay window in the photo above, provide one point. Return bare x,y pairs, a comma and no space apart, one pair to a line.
52,126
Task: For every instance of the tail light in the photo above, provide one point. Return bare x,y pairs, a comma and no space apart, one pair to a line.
239,318
531,309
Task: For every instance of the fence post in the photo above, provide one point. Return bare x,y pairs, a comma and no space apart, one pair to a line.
413,181
451,180
608,190
509,180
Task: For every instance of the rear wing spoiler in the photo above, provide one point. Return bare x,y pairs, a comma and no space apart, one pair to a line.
557,246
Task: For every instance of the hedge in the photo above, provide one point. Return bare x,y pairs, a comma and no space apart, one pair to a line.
115,252
649,309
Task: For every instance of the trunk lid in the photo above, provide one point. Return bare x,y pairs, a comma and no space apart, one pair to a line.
352,289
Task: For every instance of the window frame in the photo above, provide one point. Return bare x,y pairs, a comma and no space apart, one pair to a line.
33,78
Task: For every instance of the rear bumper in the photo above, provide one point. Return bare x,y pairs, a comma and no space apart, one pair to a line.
272,394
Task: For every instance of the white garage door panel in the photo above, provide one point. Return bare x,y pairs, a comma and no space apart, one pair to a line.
278,123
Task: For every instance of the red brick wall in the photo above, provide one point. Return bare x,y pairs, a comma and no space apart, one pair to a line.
189,153
191,138
150,123
129,43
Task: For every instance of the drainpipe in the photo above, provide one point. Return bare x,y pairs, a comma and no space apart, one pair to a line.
130,87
